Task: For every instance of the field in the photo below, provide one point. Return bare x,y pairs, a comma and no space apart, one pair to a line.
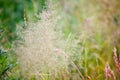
60,40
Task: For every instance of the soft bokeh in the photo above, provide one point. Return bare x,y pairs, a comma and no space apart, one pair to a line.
64,40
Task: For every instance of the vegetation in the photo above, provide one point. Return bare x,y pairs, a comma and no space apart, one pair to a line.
59,40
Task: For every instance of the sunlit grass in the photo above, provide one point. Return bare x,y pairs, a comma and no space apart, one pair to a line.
69,40
72,40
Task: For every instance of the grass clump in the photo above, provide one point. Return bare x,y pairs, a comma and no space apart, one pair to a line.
70,42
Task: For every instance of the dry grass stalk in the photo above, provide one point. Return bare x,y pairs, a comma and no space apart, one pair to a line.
72,62
117,60
88,78
109,73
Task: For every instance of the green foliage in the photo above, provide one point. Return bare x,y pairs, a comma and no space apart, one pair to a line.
12,13
6,65
33,8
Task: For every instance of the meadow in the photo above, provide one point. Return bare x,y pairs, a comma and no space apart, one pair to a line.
60,40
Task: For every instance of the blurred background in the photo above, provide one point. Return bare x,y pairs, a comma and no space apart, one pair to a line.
92,28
